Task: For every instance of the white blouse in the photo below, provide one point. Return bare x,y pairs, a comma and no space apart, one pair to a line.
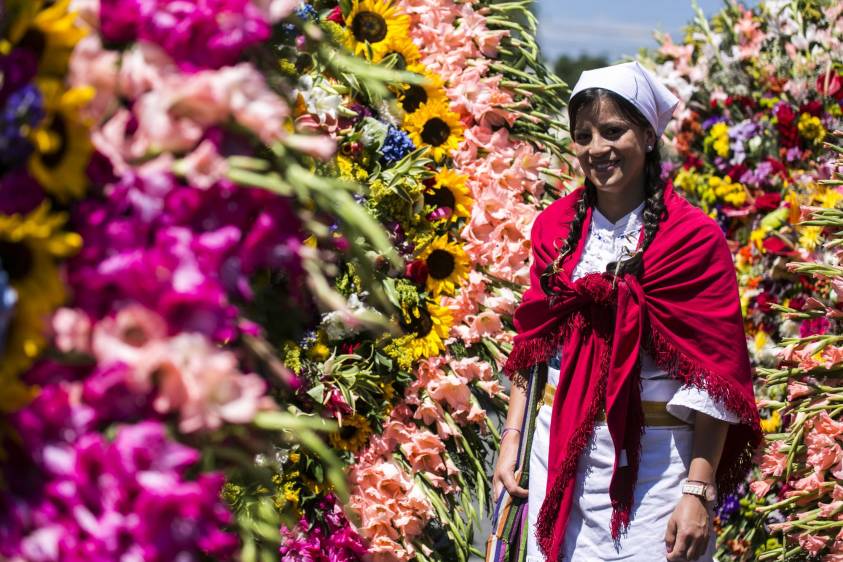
609,242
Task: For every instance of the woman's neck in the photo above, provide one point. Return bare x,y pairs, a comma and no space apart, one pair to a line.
616,205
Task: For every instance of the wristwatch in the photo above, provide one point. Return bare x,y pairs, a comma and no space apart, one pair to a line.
705,490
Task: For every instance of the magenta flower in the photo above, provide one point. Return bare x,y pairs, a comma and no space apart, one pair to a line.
199,34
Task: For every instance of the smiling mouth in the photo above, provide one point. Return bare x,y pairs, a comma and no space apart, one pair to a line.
606,166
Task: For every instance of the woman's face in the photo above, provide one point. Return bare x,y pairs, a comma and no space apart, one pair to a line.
611,150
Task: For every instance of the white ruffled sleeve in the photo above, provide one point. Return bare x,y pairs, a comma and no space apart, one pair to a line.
689,399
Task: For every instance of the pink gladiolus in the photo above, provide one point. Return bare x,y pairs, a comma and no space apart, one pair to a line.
796,389
813,542
774,461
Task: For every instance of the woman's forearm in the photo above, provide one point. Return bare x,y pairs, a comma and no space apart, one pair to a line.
517,405
709,438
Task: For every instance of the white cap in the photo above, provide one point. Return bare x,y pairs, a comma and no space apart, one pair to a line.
632,81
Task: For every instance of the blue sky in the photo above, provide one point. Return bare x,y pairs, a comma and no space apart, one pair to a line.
611,27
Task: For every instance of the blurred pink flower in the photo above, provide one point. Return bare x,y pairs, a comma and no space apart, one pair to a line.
72,330
92,65
423,452
202,383
126,337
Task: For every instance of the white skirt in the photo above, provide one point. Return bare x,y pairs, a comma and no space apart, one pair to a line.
665,458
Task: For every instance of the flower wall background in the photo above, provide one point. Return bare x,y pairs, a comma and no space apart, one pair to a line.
259,260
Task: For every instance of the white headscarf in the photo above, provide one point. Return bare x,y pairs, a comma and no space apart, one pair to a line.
635,83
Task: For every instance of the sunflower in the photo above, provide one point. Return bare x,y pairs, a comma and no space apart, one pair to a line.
62,141
434,125
374,24
51,33
450,192
408,53
352,435
447,265
427,329
29,248
412,96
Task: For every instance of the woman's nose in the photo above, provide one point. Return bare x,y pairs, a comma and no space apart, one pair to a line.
598,146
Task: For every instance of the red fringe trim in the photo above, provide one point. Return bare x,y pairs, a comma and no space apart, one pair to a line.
735,464
527,353
579,440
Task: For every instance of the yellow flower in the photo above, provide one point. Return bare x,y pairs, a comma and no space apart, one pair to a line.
373,24
810,237
724,189
403,46
718,139
50,33
449,191
760,339
447,265
353,434
435,126
29,249
427,329
412,96
811,128
62,143
771,424
828,198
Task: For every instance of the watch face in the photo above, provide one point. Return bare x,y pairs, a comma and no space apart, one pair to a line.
710,493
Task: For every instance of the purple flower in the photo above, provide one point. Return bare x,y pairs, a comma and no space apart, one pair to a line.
19,192
18,68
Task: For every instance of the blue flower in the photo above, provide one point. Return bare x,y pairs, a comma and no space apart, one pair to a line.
8,299
728,508
396,146
23,111
306,12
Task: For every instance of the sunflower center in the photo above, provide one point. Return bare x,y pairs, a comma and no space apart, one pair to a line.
421,325
441,197
414,96
440,264
435,131
59,127
34,40
16,259
348,432
368,26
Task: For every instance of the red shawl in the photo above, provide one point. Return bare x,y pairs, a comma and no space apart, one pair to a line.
683,309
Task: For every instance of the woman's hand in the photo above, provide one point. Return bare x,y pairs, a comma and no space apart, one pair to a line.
505,475
688,530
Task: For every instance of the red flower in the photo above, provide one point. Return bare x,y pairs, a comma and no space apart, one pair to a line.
416,271
736,171
835,86
777,246
693,161
764,300
785,114
336,16
768,202
813,107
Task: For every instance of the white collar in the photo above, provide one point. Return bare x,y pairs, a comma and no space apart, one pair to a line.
631,221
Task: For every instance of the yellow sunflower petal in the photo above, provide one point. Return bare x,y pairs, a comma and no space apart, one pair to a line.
447,265
435,126
373,24
62,141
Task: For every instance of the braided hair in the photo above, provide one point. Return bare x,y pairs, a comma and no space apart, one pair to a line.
654,207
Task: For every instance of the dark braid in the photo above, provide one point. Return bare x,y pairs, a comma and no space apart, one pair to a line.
654,207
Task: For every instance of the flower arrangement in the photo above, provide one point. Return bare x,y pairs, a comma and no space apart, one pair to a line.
257,266
759,97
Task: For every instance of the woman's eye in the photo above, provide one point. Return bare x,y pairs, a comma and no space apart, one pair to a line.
613,132
582,138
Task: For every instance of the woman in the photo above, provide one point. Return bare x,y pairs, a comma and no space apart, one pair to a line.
633,315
